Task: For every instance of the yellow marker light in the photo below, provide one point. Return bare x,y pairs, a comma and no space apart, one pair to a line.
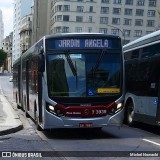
108,90
51,108
119,105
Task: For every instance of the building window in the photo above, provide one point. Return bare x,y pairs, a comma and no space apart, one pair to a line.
116,10
65,30
79,19
150,23
58,29
103,30
151,13
65,18
117,1
78,29
148,32
79,0
139,12
115,20
90,18
105,1
103,20
140,2
59,8
129,2
137,33
89,29
104,10
127,21
128,11
152,3
127,33
115,31
79,8
91,9
138,22
66,8
58,18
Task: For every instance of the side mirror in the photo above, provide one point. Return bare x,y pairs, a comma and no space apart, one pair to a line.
41,63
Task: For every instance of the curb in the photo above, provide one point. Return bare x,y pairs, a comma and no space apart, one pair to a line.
11,130
11,124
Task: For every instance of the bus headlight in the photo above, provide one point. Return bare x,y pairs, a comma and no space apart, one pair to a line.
56,110
119,105
114,108
51,108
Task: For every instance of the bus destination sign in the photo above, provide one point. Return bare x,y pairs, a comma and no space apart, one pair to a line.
82,43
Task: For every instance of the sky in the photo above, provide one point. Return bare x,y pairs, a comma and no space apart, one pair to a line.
7,11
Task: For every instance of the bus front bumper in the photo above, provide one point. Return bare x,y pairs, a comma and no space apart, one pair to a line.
69,122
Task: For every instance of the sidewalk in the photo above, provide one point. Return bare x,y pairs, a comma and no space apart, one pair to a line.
9,120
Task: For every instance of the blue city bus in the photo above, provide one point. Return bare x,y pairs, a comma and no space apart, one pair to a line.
71,80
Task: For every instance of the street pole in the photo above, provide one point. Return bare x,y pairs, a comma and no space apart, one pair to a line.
119,30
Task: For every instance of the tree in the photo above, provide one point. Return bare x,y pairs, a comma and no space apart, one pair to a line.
3,56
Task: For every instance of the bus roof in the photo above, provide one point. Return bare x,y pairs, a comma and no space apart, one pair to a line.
79,34
152,37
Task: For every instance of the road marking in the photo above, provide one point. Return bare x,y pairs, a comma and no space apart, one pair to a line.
158,144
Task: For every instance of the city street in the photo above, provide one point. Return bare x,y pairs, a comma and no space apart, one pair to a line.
121,141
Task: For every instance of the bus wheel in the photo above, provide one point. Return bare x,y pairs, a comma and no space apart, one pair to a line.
18,107
26,114
130,114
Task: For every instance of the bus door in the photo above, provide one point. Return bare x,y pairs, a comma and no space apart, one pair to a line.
27,84
155,80
19,84
40,91
143,84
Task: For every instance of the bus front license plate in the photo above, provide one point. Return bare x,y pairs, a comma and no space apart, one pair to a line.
85,125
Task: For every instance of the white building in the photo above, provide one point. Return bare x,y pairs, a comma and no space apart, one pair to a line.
1,28
21,9
130,19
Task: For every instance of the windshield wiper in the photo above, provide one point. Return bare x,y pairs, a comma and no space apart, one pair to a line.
99,60
72,66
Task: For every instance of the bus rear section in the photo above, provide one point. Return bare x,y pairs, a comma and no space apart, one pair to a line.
83,85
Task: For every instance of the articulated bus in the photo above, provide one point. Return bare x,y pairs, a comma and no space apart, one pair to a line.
71,80
142,64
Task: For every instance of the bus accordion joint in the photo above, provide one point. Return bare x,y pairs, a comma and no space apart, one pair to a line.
84,111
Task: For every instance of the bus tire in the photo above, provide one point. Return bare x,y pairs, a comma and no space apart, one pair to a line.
18,107
26,114
130,114
25,110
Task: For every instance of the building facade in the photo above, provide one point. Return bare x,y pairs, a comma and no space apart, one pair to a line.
41,19
129,19
25,33
1,28
7,47
21,9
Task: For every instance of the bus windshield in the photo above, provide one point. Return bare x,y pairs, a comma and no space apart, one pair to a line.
84,73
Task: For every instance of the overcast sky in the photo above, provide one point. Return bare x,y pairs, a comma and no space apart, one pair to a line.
7,11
